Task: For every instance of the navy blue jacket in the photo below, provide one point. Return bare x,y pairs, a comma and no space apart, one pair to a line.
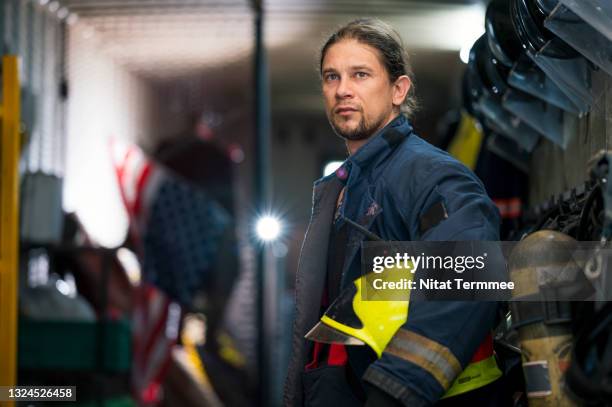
394,179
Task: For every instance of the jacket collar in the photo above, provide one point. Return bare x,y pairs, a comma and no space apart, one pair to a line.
373,152
382,143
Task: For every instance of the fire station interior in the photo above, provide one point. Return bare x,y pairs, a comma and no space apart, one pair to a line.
157,163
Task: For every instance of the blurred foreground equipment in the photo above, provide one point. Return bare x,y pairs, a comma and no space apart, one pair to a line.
543,261
10,113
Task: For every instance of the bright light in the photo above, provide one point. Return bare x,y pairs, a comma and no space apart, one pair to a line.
130,263
54,6
268,228
63,287
464,54
72,19
331,167
441,27
62,13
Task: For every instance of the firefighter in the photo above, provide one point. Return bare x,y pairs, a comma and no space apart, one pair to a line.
399,187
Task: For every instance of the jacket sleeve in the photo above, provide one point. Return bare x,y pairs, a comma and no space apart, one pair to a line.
440,337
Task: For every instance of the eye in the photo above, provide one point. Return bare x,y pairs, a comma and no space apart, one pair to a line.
361,74
330,77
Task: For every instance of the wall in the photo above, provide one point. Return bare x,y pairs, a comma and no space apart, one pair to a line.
554,170
34,33
105,101
68,138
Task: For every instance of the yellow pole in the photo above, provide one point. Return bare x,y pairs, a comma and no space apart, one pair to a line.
9,215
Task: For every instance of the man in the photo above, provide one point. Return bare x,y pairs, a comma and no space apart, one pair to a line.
401,188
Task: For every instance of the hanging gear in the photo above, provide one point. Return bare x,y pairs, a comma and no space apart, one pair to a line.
588,376
487,81
570,71
541,266
502,39
528,19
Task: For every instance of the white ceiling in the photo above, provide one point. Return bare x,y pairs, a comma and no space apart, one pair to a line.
169,38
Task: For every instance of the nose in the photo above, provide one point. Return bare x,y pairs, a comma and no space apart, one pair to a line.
344,89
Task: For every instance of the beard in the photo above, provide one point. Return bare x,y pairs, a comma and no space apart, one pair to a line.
363,130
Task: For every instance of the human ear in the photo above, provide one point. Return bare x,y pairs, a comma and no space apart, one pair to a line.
401,86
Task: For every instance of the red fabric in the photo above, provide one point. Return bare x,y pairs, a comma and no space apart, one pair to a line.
140,186
485,350
314,363
337,355
154,332
509,208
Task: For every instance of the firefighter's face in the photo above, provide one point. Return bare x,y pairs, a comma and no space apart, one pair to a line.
359,97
